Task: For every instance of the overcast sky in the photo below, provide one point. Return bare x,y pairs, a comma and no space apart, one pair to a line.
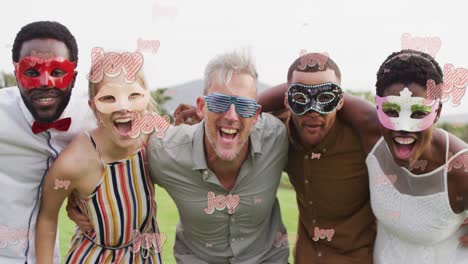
358,35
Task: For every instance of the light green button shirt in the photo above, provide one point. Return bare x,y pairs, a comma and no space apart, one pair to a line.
223,231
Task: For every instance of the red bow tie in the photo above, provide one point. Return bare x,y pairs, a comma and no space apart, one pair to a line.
61,124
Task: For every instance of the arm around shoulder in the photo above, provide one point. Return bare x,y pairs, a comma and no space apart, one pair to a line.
58,185
272,99
361,115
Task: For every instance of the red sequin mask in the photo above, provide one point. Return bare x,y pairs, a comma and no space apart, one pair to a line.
34,72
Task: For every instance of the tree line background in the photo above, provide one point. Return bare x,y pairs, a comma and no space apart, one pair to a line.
161,97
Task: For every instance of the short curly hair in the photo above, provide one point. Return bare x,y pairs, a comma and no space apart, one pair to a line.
45,29
316,59
406,67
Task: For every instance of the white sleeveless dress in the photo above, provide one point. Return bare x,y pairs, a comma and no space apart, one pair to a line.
415,223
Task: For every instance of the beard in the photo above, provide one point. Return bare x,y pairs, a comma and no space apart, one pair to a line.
234,153
65,96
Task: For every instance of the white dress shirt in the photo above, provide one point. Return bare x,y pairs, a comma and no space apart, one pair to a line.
24,161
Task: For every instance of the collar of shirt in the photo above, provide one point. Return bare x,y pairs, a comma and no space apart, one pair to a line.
199,141
27,115
30,119
81,120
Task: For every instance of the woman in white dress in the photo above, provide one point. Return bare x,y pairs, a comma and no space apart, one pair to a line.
418,173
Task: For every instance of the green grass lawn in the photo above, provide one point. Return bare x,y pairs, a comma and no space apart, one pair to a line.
168,217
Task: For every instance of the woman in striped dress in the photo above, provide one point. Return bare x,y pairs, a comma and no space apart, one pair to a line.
105,170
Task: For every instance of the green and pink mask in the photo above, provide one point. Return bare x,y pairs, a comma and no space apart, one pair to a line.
406,113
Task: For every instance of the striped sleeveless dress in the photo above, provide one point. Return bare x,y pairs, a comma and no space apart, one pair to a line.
121,207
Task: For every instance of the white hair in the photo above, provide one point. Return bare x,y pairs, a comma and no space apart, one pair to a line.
223,66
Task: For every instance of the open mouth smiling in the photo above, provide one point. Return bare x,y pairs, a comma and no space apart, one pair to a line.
123,125
228,134
404,146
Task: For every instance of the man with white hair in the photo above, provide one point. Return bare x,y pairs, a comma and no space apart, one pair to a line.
224,172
